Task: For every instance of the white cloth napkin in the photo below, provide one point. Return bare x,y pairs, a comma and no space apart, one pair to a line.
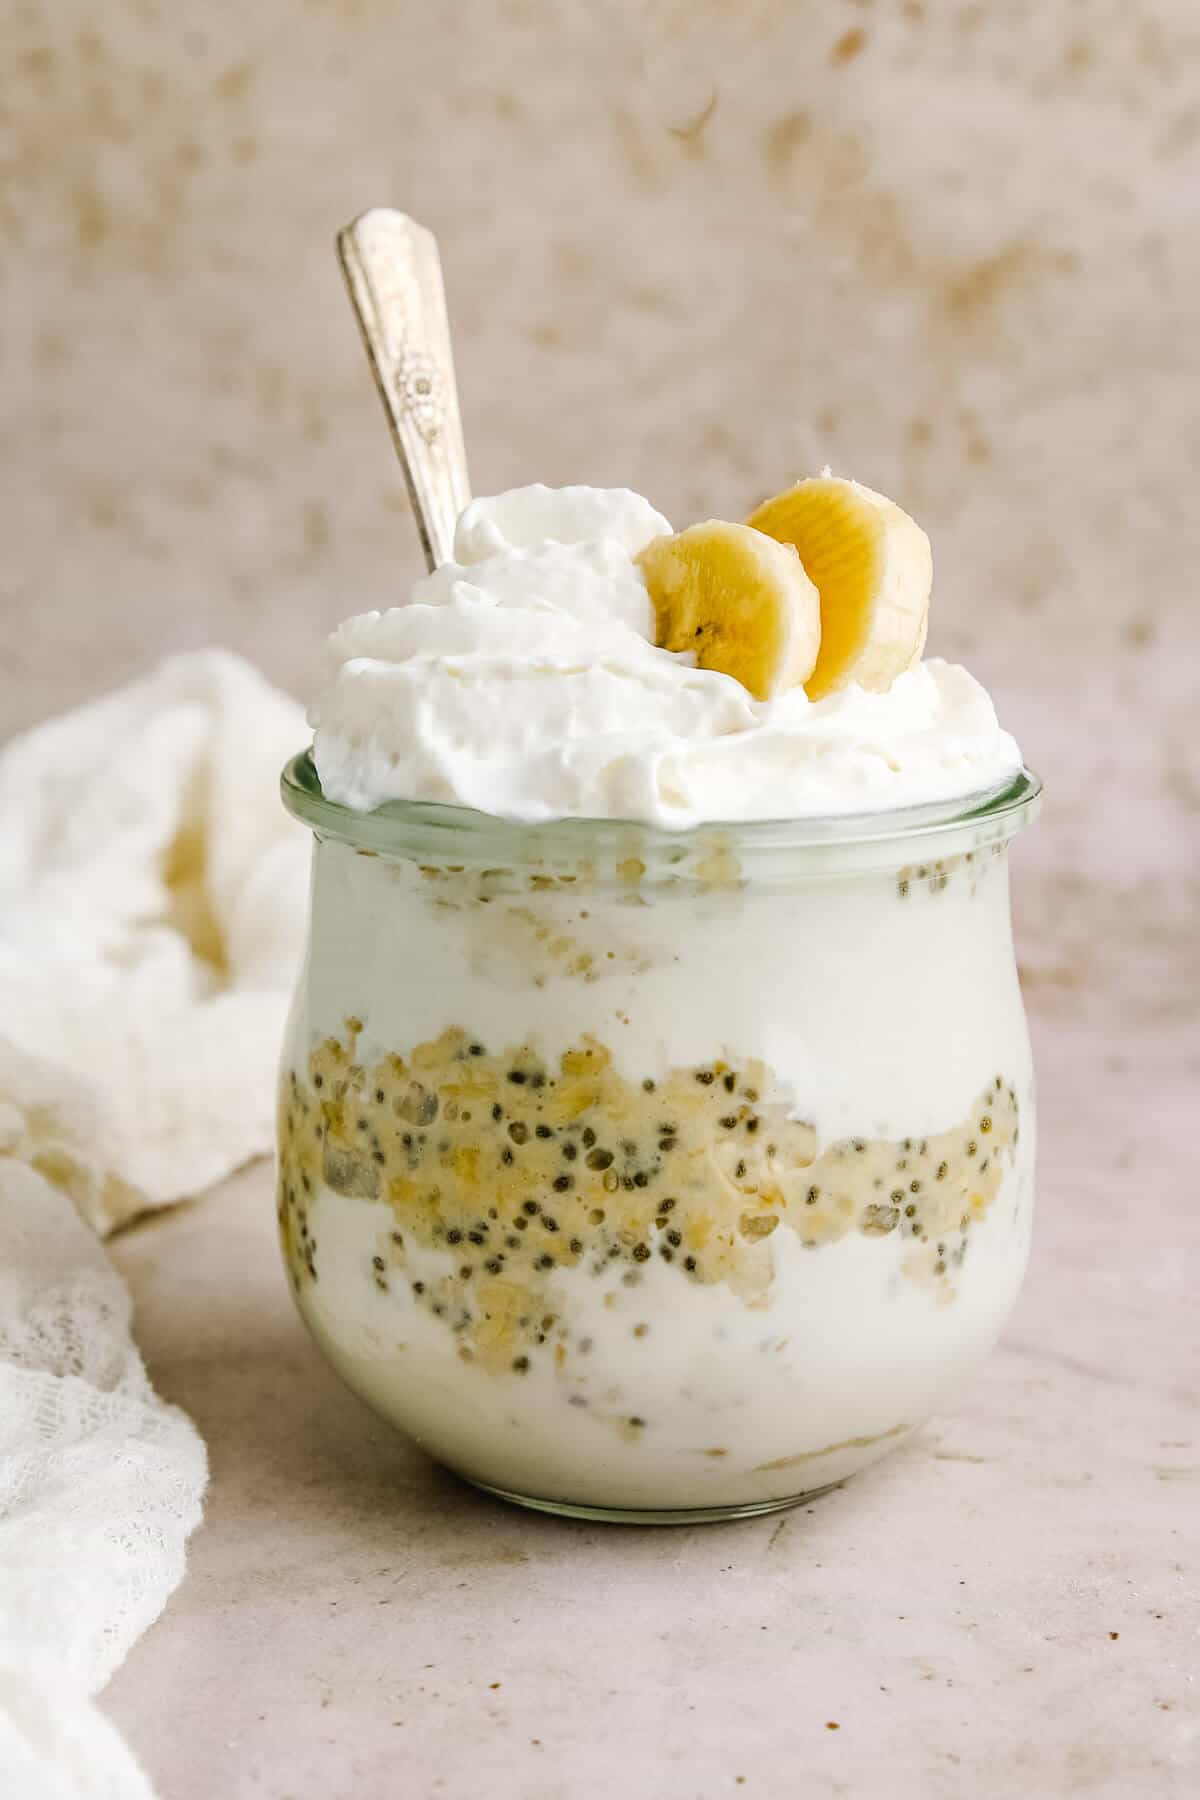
152,902
152,896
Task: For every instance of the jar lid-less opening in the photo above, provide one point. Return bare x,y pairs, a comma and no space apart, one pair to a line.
431,833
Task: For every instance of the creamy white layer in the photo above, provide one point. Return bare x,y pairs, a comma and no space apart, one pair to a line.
735,1404
885,1013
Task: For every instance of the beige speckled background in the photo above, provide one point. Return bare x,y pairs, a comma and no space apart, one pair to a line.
696,246
701,247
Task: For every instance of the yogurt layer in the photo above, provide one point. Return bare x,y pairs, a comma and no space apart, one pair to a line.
522,679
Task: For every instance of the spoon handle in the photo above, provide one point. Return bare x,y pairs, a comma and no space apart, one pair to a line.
394,275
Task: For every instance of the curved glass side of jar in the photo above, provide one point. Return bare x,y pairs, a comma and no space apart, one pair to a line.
653,1175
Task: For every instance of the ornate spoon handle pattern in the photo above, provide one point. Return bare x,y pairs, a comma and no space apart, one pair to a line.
394,275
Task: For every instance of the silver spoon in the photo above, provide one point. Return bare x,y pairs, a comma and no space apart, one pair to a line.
394,275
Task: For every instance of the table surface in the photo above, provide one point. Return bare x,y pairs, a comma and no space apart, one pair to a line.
1006,1606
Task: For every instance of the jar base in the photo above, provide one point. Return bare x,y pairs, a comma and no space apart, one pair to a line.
652,1515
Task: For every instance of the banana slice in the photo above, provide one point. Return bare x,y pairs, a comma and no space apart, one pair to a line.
873,569
737,598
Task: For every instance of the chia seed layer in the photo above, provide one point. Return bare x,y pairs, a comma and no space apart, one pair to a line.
514,1169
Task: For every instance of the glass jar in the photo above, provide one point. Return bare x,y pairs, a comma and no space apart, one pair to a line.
642,1175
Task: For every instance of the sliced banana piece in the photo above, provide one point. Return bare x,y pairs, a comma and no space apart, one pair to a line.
873,569
737,598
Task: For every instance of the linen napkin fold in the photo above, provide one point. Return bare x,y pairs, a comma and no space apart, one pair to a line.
152,899
152,906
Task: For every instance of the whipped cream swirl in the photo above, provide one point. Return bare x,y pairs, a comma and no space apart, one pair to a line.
522,679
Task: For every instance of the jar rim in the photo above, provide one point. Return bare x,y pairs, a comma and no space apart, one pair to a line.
407,828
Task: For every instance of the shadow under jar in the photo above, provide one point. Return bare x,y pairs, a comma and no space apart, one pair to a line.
642,1175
